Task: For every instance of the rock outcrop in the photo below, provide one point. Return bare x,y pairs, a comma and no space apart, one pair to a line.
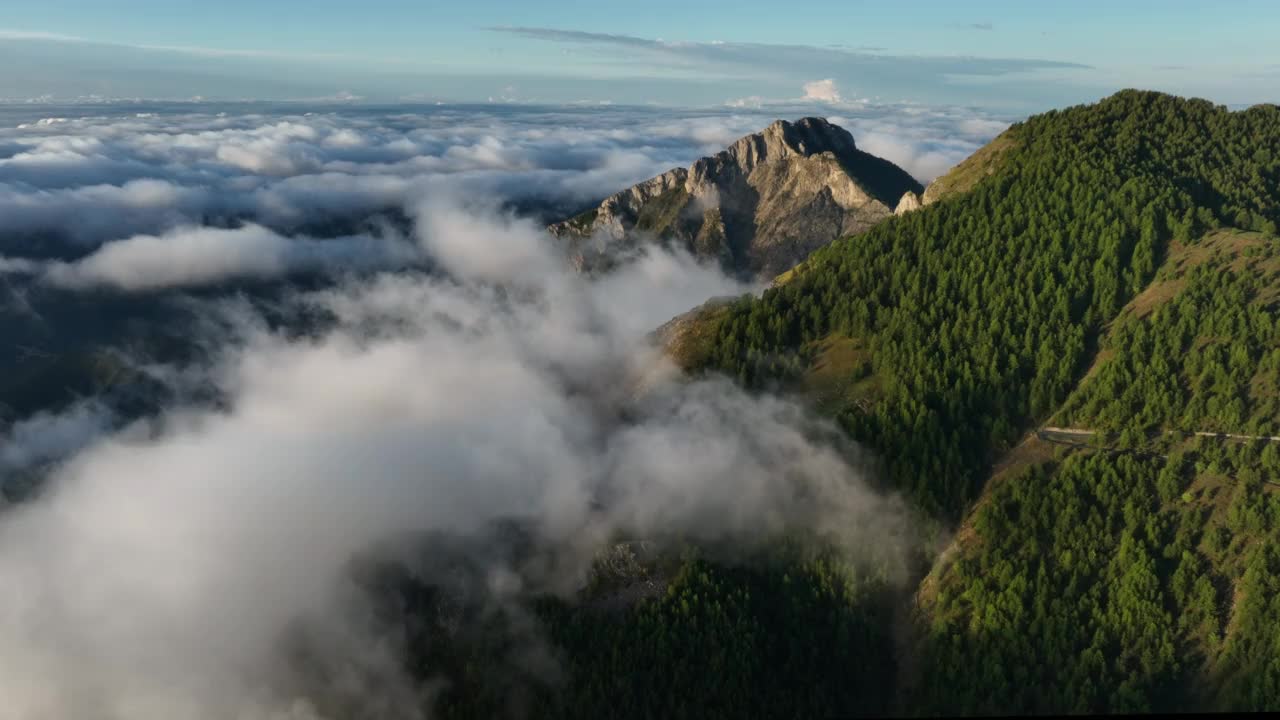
910,201
759,207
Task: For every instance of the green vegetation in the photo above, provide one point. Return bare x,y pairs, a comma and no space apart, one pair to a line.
981,313
1199,350
1114,583
807,640
583,222
1143,581
969,173
660,214
794,634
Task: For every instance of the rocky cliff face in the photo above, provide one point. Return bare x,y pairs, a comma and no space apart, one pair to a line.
759,206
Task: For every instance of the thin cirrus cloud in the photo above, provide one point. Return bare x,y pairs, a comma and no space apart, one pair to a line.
807,57
874,73
605,66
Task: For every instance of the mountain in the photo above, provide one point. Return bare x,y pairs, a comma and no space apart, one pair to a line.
1069,355
759,206
1069,358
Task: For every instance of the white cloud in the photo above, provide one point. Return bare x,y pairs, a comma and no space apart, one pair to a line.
19,266
156,577
7,34
44,436
822,91
200,256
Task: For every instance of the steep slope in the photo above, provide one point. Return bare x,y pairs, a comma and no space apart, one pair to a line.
1141,577
1196,351
760,206
963,177
1144,577
980,313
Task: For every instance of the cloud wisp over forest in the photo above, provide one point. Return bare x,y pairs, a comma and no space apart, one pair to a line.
155,576
461,375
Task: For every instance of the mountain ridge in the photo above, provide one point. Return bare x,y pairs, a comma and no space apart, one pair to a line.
1109,266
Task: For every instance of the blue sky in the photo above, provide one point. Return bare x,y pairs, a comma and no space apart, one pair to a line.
998,53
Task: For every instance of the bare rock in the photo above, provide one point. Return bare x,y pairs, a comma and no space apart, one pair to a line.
910,201
758,207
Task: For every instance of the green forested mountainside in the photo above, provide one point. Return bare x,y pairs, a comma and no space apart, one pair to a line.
809,640
1198,350
979,313
794,634
1144,579
1109,267
1102,582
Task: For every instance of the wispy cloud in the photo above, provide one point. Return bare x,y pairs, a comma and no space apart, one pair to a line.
579,36
197,50
9,34
792,55
771,67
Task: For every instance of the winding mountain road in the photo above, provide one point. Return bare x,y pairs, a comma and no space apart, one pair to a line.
1084,432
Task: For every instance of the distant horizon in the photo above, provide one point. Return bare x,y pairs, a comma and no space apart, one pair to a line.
996,54
780,109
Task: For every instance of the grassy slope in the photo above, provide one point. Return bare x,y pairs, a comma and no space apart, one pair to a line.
659,215
978,166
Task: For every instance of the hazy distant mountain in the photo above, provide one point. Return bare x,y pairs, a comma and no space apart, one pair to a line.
759,206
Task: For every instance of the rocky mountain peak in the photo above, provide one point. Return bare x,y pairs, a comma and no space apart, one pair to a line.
782,139
813,135
759,206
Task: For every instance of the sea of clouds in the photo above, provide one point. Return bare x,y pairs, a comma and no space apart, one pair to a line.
466,376
162,198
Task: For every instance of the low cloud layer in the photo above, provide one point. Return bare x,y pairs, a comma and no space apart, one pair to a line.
90,180
189,257
153,580
461,375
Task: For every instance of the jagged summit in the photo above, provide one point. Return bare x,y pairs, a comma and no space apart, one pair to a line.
782,139
759,206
